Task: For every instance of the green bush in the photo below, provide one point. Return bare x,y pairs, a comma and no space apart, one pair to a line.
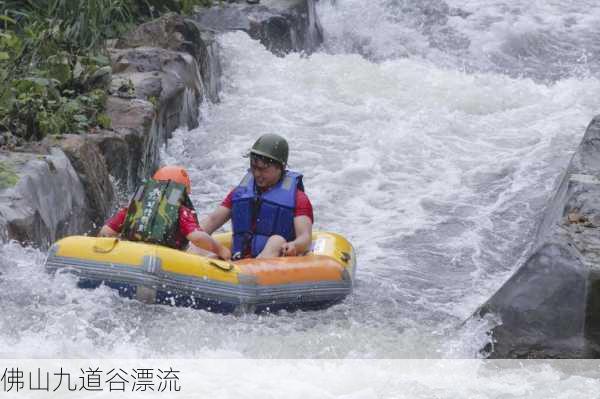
8,176
153,8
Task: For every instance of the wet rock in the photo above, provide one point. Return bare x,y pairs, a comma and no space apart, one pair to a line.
176,33
542,306
170,32
122,152
89,163
169,91
9,141
210,66
167,86
135,114
281,26
100,79
162,71
133,121
47,200
551,306
169,80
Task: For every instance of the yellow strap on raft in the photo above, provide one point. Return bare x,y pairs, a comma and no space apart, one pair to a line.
221,265
108,246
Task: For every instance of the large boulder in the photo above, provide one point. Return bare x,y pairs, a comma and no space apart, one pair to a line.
41,198
551,306
176,33
170,32
168,79
282,26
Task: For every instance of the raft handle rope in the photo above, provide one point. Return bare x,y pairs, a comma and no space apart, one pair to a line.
226,266
104,250
345,256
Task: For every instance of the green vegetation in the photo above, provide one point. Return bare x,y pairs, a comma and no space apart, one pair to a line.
8,177
54,68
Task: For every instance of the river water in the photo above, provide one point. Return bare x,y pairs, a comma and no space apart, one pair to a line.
431,134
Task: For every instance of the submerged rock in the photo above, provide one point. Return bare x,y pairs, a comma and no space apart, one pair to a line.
551,306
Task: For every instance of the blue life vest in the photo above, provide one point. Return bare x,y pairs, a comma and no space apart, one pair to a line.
255,217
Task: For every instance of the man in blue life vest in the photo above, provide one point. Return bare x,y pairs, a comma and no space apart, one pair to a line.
270,214
161,212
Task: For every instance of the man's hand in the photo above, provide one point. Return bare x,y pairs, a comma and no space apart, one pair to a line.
224,253
107,232
289,249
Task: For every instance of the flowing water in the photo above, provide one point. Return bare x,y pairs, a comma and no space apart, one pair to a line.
431,134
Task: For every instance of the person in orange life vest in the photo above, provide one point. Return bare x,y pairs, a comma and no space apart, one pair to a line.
188,229
270,214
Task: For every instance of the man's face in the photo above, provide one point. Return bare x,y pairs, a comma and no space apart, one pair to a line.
266,174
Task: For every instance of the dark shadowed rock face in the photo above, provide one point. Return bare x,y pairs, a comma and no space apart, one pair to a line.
87,160
281,26
542,307
551,306
134,121
122,155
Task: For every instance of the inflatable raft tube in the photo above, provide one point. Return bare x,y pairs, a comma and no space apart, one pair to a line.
161,275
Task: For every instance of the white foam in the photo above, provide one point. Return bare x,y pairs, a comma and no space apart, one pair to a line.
547,40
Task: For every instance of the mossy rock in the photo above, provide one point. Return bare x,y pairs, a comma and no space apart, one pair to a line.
8,177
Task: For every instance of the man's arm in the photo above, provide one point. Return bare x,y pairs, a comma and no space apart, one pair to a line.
106,231
203,240
215,220
113,226
303,230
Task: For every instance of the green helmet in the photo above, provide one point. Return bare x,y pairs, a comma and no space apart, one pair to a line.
273,147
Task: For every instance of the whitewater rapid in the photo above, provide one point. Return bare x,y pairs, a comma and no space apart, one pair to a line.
435,158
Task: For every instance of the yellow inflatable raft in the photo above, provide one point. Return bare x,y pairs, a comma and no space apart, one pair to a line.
157,274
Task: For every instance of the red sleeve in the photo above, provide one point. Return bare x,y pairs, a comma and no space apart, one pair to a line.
116,222
227,202
188,222
303,206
